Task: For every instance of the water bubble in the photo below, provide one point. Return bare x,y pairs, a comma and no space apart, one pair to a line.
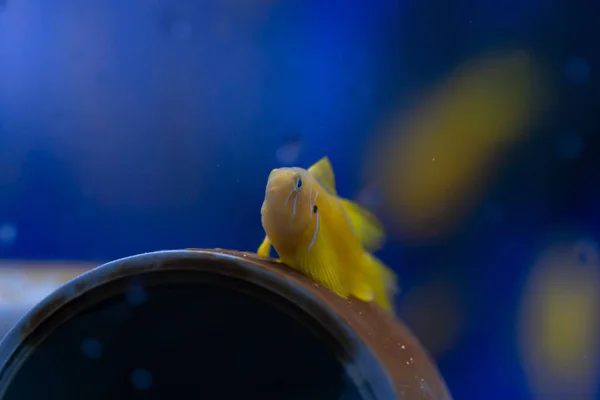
288,152
136,295
569,146
141,379
8,234
91,348
181,29
59,115
577,70
586,252
370,196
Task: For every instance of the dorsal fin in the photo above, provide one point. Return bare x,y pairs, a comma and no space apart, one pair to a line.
323,172
366,225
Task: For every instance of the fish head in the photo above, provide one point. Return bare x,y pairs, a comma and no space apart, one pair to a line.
288,205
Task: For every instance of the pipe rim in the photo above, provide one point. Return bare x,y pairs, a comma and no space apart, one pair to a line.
362,366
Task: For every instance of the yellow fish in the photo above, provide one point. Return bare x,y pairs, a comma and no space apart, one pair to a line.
327,238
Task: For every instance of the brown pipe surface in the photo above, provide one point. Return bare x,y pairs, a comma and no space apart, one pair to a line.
408,364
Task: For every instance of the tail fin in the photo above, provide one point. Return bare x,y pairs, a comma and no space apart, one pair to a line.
384,284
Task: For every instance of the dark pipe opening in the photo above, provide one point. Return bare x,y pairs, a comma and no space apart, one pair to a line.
171,335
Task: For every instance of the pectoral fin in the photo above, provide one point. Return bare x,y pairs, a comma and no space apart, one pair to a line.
384,283
366,226
264,249
324,267
363,291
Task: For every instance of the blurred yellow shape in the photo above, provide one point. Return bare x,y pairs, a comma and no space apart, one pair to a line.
559,325
434,160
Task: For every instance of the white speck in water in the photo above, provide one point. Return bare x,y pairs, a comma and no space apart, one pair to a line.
403,347
424,386
407,363
411,360
433,159
136,295
577,70
8,234
141,379
91,348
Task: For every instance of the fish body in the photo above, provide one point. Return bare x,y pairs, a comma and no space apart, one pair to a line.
326,237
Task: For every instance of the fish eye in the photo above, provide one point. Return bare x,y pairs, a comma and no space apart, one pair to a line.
299,183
